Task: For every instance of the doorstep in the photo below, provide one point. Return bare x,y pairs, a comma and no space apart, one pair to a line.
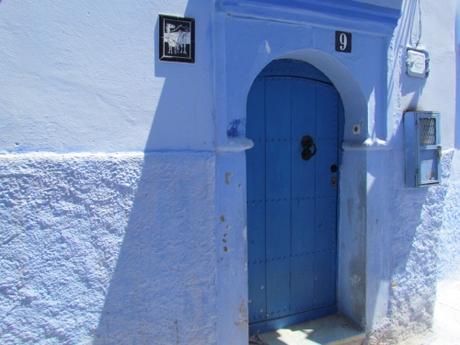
331,330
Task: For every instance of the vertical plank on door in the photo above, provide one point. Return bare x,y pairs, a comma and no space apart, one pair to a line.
256,203
303,105
278,191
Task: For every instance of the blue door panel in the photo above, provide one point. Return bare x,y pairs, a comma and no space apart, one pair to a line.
292,202
278,274
327,124
303,101
278,169
302,221
256,222
278,241
302,283
325,278
277,108
257,298
325,237
278,133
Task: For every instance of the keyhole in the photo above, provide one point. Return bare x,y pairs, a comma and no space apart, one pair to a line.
334,181
334,168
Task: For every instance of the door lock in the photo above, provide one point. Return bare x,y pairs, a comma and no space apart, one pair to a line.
308,147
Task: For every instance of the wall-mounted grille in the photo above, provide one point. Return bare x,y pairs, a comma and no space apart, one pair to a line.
428,131
422,148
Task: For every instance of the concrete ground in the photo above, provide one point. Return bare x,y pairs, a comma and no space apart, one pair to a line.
447,314
331,330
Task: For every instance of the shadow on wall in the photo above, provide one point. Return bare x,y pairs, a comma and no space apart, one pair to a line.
161,290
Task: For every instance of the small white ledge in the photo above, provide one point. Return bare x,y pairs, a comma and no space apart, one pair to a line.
237,144
370,144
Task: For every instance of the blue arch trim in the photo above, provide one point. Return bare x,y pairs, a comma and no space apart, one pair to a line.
329,12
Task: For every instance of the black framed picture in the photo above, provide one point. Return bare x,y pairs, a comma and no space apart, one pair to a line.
177,39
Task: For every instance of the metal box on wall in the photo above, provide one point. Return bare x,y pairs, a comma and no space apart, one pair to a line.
422,148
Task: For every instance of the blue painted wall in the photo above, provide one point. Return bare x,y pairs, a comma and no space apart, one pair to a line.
123,194
385,230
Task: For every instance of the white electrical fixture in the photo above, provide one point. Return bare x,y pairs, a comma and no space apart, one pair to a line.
417,62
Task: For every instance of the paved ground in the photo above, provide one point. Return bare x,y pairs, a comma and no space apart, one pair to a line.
333,330
446,326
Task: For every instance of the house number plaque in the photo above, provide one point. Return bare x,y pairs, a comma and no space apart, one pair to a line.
343,41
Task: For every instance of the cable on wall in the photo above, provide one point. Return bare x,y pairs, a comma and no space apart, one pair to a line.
419,14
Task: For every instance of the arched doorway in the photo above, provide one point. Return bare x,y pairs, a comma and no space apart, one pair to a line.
295,119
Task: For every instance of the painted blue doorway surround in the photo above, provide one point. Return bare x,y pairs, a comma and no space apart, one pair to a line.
294,117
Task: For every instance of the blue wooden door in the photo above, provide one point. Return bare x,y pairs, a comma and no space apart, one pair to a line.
292,195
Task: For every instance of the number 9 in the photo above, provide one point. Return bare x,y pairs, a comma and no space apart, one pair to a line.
343,40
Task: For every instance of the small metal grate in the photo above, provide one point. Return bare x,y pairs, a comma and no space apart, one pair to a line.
428,131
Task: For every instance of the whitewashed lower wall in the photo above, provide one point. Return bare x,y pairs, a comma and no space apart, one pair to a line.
424,251
449,245
107,249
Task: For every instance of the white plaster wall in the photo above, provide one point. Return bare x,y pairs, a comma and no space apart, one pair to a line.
100,249
84,76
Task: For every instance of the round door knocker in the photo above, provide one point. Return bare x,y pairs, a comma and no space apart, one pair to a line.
308,147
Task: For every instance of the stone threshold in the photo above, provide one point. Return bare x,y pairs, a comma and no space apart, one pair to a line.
330,330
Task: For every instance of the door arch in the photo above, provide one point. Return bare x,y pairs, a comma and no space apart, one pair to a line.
295,119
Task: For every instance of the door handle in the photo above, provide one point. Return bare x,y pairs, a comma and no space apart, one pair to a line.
308,147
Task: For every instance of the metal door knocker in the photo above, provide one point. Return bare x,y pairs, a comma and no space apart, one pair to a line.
308,147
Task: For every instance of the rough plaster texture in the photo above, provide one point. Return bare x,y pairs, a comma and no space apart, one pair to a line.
421,227
415,249
448,250
82,76
98,247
